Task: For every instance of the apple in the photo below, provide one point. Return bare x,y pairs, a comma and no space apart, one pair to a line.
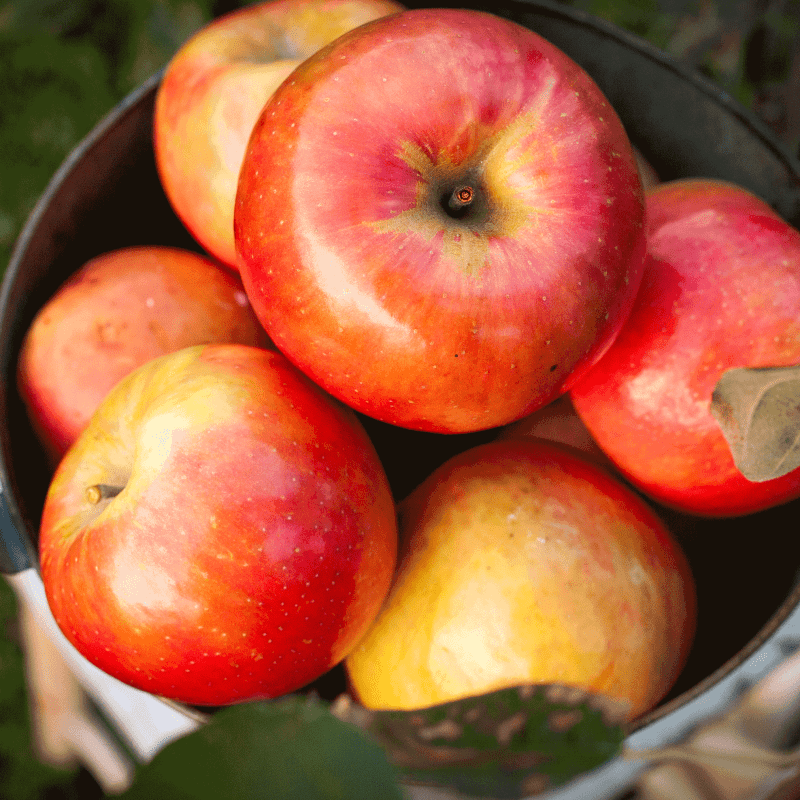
213,90
523,562
557,422
115,312
647,171
443,248
721,290
222,531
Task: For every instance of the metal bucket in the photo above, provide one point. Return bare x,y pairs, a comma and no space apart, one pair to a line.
107,195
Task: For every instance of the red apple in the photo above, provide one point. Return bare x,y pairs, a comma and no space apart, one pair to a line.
440,220
647,171
522,562
117,311
557,422
213,90
222,531
721,290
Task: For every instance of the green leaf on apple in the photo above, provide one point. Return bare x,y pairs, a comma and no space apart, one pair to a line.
509,743
292,748
758,411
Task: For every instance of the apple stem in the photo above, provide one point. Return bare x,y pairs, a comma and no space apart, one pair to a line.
101,491
461,198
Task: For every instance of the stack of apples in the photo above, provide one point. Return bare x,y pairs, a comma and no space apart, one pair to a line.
432,218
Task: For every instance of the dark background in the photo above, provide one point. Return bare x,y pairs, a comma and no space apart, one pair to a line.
65,63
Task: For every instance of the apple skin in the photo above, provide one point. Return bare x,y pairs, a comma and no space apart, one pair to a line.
252,544
523,562
213,90
721,290
117,311
371,287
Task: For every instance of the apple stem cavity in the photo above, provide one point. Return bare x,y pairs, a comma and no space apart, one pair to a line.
102,491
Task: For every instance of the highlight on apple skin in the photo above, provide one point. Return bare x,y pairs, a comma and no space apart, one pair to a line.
114,313
522,561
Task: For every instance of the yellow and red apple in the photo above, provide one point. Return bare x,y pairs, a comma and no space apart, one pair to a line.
440,220
222,531
213,90
522,562
117,311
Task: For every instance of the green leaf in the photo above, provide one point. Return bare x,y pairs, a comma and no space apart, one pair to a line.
506,744
287,749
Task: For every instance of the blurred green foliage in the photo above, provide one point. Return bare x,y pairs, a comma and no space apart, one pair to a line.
750,48
234,757
63,66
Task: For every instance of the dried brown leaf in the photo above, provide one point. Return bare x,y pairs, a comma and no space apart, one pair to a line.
758,410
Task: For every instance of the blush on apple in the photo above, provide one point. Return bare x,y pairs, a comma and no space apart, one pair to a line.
222,531
443,248
522,562
117,311
721,291
214,89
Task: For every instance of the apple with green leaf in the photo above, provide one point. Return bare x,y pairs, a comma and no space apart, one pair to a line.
439,219
222,531
213,90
